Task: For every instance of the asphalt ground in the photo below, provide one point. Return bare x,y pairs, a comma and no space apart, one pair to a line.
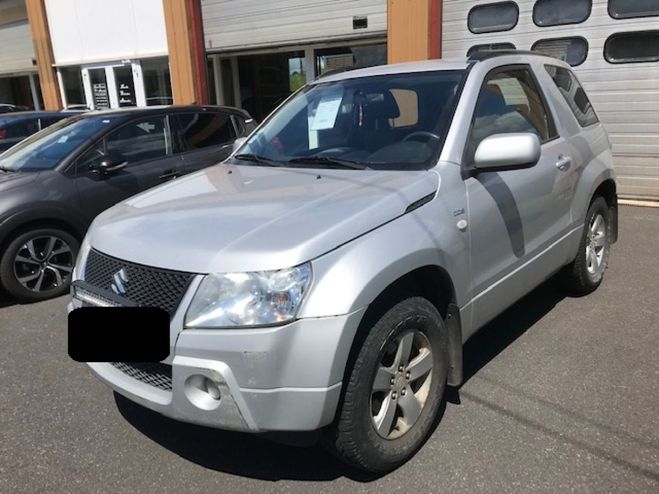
562,395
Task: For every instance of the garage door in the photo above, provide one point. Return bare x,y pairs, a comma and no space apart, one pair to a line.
615,53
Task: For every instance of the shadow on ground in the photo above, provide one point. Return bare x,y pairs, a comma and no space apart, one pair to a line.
253,456
497,335
6,300
243,454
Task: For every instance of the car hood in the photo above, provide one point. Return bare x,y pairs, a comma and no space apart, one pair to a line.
249,218
11,180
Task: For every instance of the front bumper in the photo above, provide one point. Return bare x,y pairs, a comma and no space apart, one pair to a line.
272,379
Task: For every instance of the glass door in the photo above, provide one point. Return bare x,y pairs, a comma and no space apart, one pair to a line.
125,86
113,85
99,89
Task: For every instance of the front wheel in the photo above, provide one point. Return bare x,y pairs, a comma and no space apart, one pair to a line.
586,272
395,389
38,264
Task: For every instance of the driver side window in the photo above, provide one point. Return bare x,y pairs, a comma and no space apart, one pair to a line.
510,102
144,139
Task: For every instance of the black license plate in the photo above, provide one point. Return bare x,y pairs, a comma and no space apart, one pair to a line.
118,334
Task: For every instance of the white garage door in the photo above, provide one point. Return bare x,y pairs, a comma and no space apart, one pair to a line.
624,86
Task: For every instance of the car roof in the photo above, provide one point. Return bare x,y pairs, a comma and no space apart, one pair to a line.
502,56
149,110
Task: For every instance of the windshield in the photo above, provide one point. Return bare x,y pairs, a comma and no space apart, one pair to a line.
46,149
393,122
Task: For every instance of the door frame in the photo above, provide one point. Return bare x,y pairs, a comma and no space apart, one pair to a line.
108,67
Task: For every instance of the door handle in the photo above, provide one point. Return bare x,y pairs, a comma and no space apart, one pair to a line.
169,175
563,163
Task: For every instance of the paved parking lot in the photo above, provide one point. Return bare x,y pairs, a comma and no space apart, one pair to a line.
562,395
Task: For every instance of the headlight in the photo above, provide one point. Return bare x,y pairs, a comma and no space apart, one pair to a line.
81,259
248,299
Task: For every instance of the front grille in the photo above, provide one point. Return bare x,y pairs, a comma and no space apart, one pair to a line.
152,373
143,285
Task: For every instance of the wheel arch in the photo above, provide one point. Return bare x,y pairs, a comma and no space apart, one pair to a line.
19,223
608,191
431,282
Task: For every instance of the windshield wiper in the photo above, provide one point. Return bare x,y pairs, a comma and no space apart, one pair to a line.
255,158
328,160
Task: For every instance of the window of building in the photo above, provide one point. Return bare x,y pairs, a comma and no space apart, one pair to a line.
559,12
490,47
74,91
157,83
143,139
200,130
266,80
632,47
345,57
510,102
625,9
571,50
492,17
574,95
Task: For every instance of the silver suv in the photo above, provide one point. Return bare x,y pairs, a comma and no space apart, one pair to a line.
327,274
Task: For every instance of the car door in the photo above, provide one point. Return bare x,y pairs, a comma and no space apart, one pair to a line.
515,217
206,138
144,146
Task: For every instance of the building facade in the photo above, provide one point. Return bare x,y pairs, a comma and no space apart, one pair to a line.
19,80
254,53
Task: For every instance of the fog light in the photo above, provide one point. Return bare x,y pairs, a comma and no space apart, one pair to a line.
203,392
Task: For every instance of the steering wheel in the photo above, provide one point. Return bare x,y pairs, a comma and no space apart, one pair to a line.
421,133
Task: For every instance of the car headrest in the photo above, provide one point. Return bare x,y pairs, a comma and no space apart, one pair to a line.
492,101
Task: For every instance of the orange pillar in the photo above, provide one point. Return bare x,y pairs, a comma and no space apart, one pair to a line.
43,49
187,56
413,30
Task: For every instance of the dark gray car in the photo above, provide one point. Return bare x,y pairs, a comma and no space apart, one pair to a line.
14,127
53,184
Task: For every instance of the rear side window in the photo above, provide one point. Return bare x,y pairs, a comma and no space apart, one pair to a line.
48,121
571,50
559,12
510,102
493,17
626,9
632,47
200,130
574,95
19,129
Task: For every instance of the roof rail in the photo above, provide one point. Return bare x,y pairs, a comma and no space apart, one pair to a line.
480,56
344,69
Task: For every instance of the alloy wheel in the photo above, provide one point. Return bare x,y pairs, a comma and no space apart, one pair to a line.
596,244
43,263
401,385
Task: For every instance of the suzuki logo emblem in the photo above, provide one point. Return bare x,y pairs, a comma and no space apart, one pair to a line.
119,281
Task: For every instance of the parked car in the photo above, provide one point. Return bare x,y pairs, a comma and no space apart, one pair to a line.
54,183
326,275
8,108
14,127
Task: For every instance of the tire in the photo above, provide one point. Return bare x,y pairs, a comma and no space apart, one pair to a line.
30,272
360,435
586,272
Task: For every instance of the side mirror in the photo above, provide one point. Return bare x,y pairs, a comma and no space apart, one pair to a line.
502,152
107,164
238,142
